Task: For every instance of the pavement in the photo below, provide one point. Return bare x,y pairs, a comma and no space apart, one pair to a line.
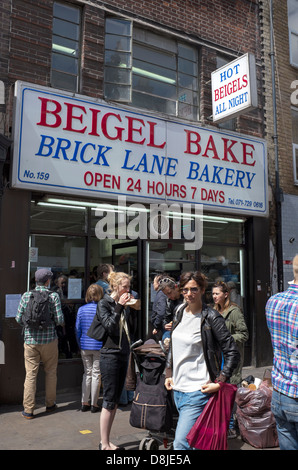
68,428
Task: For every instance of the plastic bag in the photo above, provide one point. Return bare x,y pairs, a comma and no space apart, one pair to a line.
210,430
254,416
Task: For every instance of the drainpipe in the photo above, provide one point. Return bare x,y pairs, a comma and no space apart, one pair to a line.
278,194
4,146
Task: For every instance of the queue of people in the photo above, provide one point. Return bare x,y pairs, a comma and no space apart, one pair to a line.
193,330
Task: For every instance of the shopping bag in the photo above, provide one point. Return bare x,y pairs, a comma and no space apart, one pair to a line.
210,430
254,416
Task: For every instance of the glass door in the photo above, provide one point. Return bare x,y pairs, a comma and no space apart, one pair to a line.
168,257
125,259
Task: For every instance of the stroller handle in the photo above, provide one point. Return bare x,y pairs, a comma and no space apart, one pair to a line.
136,344
162,347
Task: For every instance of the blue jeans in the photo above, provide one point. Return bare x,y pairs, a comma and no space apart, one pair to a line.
285,410
166,334
189,405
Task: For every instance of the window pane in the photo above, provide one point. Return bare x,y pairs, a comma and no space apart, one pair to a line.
187,81
293,14
187,67
120,27
142,100
67,64
187,111
65,11
187,52
64,81
59,219
117,92
116,75
294,48
154,87
117,43
154,57
160,42
187,96
154,71
65,46
66,29
122,59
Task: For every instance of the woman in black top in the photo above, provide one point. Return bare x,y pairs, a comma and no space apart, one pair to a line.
115,351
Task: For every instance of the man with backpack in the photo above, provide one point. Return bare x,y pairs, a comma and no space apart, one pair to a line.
39,313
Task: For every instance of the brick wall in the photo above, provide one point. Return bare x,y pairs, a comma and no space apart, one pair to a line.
229,27
285,75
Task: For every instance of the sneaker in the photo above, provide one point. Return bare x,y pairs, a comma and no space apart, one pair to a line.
27,415
232,434
49,409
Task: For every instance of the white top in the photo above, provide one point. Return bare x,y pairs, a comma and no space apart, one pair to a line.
189,366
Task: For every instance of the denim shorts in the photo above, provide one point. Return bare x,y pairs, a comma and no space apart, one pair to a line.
113,367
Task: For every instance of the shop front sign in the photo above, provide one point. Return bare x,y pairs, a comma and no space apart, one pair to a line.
234,88
77,146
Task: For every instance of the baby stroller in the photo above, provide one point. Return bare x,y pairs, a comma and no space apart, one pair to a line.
152,408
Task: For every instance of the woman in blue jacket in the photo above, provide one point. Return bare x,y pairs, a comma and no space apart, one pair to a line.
90,349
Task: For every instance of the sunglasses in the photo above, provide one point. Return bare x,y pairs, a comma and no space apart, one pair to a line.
165,279
192,290
168,282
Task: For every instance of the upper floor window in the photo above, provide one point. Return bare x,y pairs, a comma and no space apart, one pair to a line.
295,143
150,71
293,31
65,46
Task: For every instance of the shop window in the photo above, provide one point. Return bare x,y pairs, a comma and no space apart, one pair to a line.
150,71
295,144
65,255
65,47
57,217
293,31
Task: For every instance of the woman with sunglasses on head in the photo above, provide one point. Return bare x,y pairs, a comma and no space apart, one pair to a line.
235,322
199,337
236,325
115,351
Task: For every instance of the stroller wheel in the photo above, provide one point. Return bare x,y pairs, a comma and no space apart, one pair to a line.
152,444
142,445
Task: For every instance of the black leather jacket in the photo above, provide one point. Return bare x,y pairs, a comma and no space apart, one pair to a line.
109,313
216,341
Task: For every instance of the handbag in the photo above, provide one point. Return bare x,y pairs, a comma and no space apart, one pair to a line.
97,330
210,430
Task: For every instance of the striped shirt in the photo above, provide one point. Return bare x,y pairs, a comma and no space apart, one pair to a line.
84,319
33,336
282,321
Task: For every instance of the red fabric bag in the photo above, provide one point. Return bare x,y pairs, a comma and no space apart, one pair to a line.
210,430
